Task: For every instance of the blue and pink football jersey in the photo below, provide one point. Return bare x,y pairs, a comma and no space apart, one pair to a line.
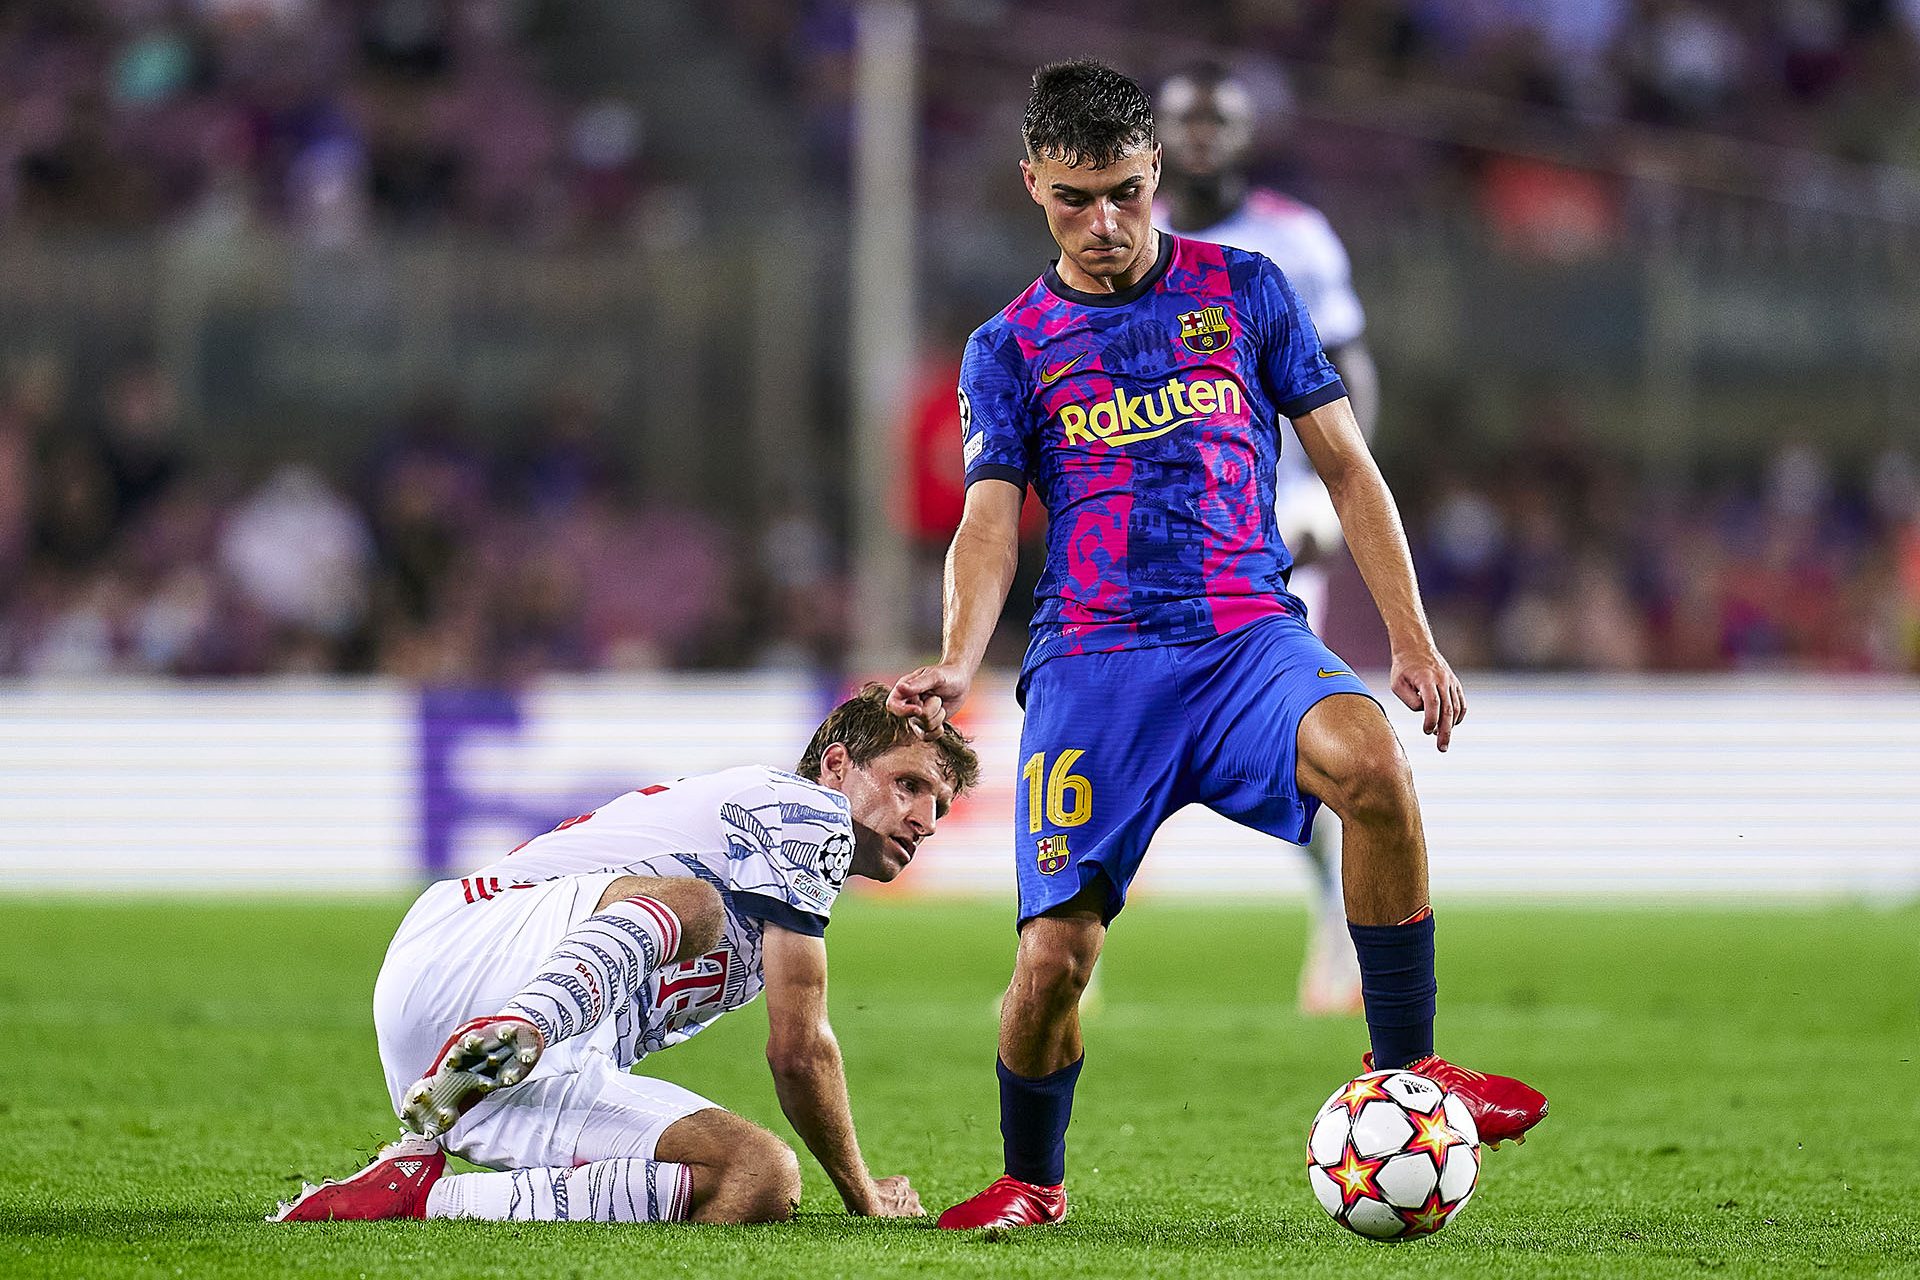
1146,422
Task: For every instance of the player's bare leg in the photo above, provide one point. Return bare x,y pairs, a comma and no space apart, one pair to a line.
1350,758
1040,1017
1040,1055
741,1173
697,904
711,1166
639,924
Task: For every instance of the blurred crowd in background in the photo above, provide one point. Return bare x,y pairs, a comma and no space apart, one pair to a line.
324,116
328,115
434,557
437,557
1561,124
1554,555
453,551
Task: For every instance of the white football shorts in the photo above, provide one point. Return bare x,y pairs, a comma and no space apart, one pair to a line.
461,954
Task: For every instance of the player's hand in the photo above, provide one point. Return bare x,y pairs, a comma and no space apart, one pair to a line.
1423,680
894,1198
930,694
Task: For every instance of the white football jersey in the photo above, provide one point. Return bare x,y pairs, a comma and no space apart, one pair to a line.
777,846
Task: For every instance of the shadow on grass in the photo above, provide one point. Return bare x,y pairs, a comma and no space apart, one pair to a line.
129,1224
1144,1231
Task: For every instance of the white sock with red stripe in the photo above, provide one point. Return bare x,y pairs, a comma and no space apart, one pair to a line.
598,967
627,1189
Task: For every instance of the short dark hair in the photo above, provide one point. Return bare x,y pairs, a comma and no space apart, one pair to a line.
863,725
1085,112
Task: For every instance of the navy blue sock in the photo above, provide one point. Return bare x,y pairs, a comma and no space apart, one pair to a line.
1396,979
1033,1123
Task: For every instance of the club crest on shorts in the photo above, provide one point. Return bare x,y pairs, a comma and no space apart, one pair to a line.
1053,854
1205,331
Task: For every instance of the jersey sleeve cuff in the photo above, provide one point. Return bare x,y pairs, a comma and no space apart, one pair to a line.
756,906
999,471
1300,406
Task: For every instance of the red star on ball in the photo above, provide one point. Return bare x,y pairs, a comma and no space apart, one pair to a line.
1433,1135
1359,1093
1356,1177
1429,1217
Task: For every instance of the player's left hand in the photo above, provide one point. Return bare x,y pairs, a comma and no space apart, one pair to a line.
895,1198
1423,680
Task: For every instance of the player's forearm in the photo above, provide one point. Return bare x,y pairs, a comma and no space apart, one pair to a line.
811,1083
1371,523
980,568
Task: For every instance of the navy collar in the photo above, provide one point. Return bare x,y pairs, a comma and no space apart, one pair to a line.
1132,293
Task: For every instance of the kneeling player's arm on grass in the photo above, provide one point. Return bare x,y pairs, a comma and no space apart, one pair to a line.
808,1075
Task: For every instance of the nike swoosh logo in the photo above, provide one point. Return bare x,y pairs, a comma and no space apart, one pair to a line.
1048,379
1327,675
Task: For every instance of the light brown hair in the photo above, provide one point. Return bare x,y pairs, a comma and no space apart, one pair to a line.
863,725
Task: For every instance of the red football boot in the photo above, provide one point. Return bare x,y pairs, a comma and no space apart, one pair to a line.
1503,1108
1009,1202
481,1055
395,1185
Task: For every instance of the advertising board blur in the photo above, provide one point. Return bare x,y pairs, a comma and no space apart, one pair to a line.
1558,787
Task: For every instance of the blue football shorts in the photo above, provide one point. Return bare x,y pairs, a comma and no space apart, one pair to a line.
1116,743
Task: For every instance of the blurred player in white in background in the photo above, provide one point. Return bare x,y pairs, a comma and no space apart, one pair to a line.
526,991
1206,123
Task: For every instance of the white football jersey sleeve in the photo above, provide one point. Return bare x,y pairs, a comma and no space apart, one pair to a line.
789,841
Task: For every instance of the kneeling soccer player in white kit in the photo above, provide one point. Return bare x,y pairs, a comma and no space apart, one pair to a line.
524,993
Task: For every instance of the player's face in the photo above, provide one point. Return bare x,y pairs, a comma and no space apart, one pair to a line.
1207,128
897,798
1102,219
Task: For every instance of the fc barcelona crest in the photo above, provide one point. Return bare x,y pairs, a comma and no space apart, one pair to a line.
1053,854
1205,331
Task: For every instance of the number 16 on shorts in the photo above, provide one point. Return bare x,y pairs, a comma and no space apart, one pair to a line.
1061,797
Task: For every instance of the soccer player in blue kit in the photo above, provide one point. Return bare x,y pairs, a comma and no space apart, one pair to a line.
1137,386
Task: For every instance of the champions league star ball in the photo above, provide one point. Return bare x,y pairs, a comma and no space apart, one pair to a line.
1392,1155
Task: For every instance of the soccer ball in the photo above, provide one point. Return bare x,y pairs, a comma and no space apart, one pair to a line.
1392,1155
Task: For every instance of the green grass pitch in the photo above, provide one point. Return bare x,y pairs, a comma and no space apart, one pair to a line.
1734,1091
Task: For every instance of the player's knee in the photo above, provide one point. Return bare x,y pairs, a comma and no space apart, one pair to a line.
786,1183
1057,971
703,915
1374,785
767,1173
695,903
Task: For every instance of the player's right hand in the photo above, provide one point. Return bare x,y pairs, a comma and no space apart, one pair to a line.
929,694
894,1198
1425,683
